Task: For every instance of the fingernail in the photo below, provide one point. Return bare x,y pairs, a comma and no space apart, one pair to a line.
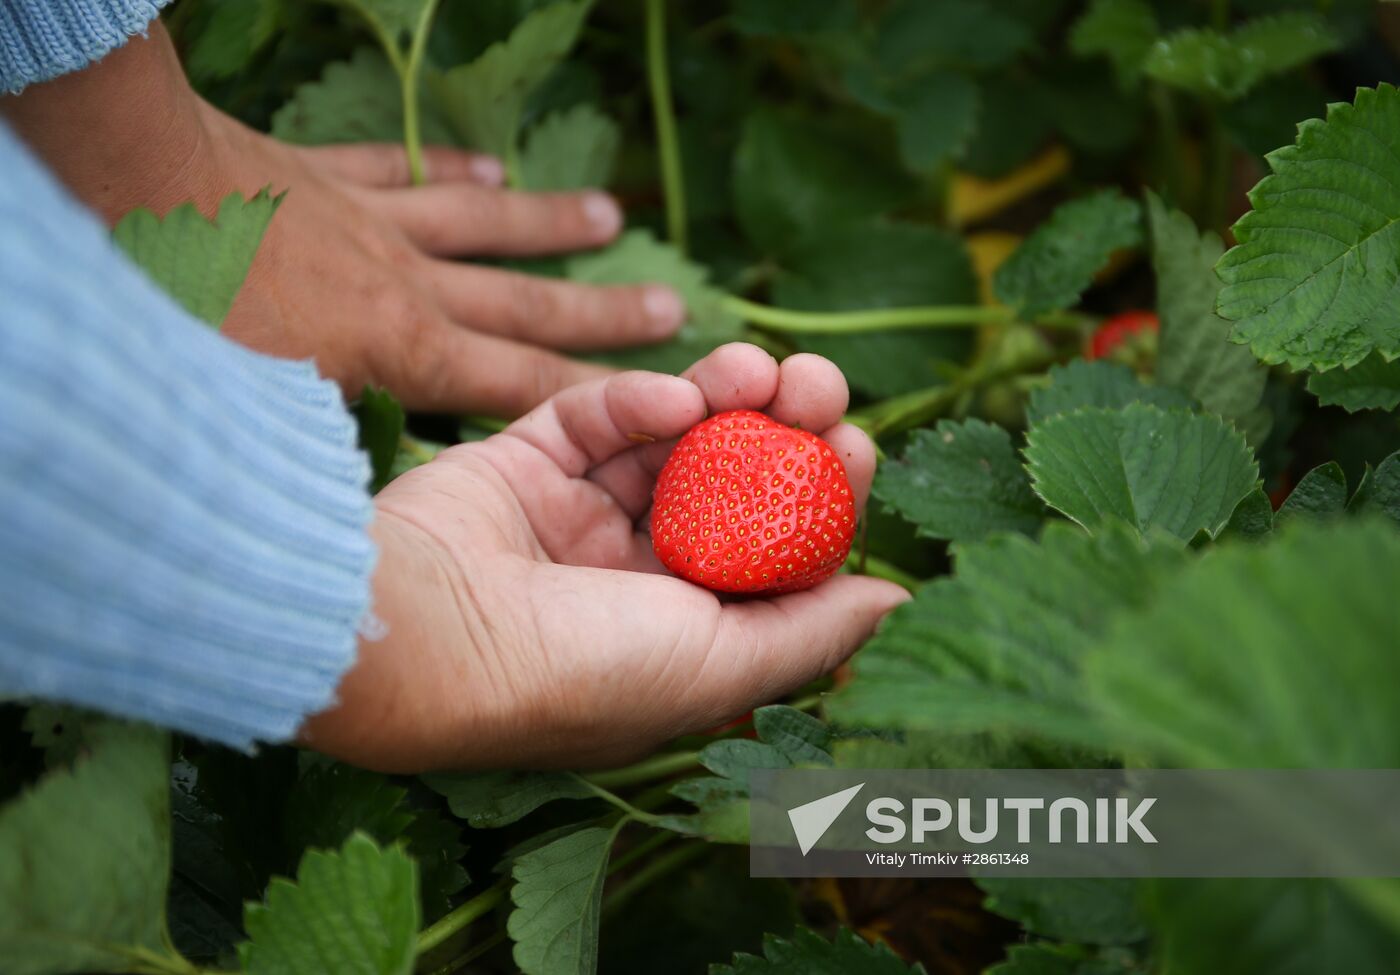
488,170
665,309
603,214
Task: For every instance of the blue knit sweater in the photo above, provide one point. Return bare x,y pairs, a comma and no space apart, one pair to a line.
183,522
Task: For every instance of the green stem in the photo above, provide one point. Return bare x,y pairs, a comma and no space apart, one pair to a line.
880,569
1216,188
664,113
657,839
656,767
461,917
1169,137
613,799
874,320
914,409
408,82
650,873
476,951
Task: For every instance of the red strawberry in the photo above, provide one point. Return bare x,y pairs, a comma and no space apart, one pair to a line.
745,504
1119,331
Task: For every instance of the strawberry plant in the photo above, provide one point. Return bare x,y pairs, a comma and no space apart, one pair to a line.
952,199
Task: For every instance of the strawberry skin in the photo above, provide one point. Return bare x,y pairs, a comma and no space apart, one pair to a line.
1118,331
748,505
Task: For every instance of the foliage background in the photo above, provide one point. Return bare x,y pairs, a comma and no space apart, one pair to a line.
947,197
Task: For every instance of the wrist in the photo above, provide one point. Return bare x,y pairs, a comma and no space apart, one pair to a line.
124,132
391,712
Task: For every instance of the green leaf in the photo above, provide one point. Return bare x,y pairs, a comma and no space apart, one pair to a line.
783,18
795,176
1093,113
355,101
571,150
1268,116
198,262
961,481
1013,123
1121,30
234,33
1315,278
997,646
1283,927
1371,384
1253,517
1057,262
1043,958
558,895
787,737
1379,490
880,264
1322,493
806,953
381,422
1179,472
1227,66
1089,910
802,738
85,857
491,799
935,116
393,20
330,801
1109,384
638,258
1310,613
484,101
915,36
1194,353
351,912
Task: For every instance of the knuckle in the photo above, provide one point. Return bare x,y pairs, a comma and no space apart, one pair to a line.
534,305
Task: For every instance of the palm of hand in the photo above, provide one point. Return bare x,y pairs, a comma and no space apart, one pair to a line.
564,641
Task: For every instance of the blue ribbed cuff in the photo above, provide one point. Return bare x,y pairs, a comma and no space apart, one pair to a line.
183,522
42,39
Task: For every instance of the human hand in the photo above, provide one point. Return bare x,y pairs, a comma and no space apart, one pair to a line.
358,268
529,622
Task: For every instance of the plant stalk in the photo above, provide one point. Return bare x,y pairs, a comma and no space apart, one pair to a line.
1216,183
664,114
874,320
787,320
408,83
656,767
630,811
460,917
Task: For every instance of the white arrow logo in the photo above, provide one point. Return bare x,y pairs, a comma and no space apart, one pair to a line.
811,820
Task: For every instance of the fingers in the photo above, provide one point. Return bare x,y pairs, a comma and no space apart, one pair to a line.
811,394
455,219
588,424
736,376
543,456
764,649
857,455
557,314
444,368
384,165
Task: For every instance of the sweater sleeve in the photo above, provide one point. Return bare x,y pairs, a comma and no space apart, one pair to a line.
41,39
183,522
